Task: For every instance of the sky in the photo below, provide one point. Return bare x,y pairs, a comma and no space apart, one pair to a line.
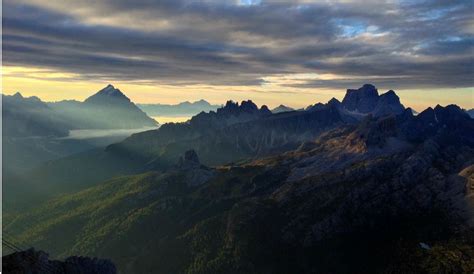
273,52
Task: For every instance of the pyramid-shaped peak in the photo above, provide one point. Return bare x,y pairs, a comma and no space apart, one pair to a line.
18,95
110,91
334,101
107,93
390,97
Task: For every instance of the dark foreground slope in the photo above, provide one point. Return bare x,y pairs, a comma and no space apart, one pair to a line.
32,261
389,195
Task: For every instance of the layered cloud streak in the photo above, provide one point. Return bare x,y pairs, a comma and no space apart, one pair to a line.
401,44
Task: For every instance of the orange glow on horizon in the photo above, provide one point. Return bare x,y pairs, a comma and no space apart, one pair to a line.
55,86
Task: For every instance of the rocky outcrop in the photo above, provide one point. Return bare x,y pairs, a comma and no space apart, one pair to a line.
195,174
362,100
33,261
189,160
366,100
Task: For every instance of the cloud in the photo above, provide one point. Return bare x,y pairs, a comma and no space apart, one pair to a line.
406,44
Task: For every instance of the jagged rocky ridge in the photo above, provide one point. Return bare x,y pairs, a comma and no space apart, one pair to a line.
358,103
366,100
356,198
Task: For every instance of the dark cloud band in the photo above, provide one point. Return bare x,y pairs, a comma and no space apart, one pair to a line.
411,44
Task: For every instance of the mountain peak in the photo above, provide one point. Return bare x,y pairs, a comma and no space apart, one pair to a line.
333,101
264,108
18,95
202,101
362,99
282,108
107,93
248,106
110,90
366,100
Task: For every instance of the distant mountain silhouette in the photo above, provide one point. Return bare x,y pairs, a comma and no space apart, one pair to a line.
282,108
181,109
470,112
23,117
109,108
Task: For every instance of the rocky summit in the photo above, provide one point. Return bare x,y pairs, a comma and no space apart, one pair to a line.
366,100
107,95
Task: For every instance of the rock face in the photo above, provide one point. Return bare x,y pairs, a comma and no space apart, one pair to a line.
32,261
366,100
363,100
195,174
189,160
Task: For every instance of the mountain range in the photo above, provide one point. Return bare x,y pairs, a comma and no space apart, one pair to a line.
181,109
107,109
233,133
354,186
